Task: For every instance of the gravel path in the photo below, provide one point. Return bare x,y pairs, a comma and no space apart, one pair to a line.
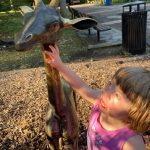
23,101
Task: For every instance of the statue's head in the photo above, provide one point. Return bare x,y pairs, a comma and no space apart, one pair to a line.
43,25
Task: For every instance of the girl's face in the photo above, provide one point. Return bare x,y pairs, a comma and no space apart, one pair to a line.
114,102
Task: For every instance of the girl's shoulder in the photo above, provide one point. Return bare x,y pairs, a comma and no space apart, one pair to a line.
134,143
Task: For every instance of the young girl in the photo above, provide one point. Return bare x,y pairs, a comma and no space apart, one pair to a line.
121,111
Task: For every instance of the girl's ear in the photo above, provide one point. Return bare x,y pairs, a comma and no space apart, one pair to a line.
117,97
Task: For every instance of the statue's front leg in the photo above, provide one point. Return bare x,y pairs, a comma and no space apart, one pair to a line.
52,128
71,126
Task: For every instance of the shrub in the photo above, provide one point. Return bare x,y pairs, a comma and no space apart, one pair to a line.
5,5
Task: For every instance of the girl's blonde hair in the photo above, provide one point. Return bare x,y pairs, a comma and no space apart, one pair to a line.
135,83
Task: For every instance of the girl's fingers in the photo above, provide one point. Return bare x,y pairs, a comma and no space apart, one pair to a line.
54,49
48,57
50,53
47,54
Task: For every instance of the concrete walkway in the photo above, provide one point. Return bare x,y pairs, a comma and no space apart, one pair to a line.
111,16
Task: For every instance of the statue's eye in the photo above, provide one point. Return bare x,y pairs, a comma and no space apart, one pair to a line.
28,37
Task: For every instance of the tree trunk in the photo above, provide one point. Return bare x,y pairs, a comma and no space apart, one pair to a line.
11,5
63,9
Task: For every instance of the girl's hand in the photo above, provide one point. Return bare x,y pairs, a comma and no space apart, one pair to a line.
53,57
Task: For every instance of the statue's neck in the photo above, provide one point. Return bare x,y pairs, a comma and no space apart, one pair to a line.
55,91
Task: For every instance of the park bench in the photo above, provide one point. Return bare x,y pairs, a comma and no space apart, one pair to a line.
99,27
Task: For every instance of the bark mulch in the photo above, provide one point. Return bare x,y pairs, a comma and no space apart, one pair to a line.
23,101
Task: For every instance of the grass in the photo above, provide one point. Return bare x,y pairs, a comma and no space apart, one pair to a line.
10,23
10,59
71,45
20,60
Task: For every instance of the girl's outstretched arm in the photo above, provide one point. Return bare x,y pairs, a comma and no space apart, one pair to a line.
52,58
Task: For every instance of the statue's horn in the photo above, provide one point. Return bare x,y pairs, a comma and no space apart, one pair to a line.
37,3
54,3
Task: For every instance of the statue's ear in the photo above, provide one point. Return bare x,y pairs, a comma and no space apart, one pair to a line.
27,12
79,23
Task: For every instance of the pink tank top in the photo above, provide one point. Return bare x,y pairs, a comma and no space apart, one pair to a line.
99,138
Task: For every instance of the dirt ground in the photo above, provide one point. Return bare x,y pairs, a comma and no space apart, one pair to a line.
23,101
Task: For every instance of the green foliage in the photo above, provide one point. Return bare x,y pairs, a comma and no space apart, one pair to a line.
5,5
10,23
10,59
20,60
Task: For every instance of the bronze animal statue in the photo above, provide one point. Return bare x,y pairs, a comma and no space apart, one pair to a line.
43,25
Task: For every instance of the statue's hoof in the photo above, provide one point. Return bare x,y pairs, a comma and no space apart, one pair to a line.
67,144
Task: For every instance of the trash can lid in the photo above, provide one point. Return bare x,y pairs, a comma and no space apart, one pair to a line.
134,3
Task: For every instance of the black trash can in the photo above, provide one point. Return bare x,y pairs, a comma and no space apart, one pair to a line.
134,21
